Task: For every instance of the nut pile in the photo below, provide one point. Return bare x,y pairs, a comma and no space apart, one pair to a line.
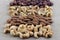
30,18
26,10
40,3
26,31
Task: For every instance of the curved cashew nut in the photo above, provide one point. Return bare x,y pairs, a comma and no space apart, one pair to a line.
31,33
7,28
22,28
30,27
49,34
36,34
13,27
24,34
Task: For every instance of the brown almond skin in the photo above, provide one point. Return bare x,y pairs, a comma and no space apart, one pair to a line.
30,19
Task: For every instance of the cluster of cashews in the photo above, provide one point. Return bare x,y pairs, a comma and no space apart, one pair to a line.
26,31
24,10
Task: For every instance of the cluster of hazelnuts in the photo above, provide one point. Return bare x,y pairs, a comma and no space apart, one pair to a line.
26,31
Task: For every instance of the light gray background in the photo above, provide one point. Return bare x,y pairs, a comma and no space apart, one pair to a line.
4,4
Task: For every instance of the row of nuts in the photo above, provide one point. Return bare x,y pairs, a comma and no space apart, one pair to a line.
25,10
30,19
26,31
40,3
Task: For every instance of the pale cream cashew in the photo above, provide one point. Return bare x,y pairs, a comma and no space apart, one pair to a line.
23,9
48,27
48,11
23,14
7,28
13,33
48,34
30,27
44,31
31,33
13,27
27,35
39,26
24,34
40,33
35,29
22,28
20,35
12,7
13,30
36,34
12,10
7,25
41,11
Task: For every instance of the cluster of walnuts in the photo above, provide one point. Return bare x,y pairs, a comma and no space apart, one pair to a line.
26,31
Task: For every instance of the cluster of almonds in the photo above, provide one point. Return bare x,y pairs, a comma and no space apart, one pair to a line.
26,10
40,3
30,19
26,31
